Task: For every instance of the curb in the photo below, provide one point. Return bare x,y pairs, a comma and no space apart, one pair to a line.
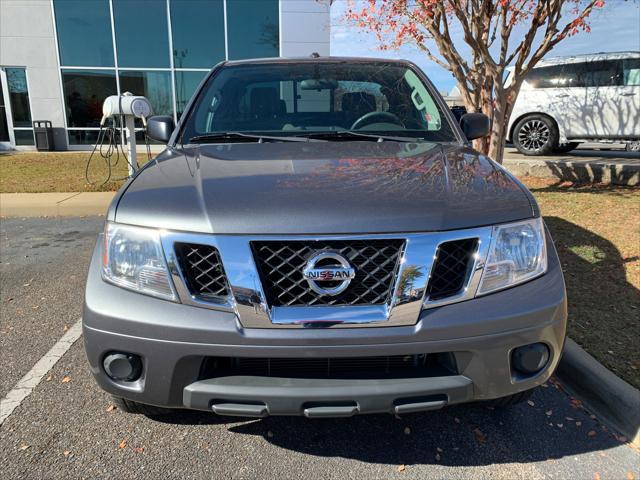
580,171
601,391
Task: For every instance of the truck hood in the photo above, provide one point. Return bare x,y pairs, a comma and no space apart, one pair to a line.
321,188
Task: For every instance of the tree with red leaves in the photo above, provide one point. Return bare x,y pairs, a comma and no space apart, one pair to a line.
487,27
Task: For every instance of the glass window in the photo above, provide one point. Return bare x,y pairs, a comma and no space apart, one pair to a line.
4,126
142,36
252,28
24,137
84,93
631,71
186,84
553,76
83,137
156,86
303,98
198,33
603,73
84,32
18,97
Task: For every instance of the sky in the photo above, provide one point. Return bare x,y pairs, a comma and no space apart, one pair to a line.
614,28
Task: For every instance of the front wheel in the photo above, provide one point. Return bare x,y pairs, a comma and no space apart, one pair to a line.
510,400
129,406
633,146
536,135
566,147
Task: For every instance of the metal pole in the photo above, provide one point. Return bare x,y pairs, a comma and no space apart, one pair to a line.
131,138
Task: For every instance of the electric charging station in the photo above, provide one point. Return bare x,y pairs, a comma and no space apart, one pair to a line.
130,107
122,111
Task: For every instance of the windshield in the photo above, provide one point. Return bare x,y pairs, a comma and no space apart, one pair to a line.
298,99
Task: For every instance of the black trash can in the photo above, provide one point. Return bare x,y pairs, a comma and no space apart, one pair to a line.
43,133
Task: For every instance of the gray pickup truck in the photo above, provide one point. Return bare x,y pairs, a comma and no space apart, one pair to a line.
320,239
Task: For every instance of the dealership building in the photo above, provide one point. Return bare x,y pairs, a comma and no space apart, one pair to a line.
59,59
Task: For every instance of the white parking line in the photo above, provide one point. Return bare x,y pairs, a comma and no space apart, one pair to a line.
27,383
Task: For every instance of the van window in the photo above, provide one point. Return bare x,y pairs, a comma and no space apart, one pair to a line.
631,71
553,76
601,73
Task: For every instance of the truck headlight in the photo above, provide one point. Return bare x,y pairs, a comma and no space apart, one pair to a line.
517,253
133,259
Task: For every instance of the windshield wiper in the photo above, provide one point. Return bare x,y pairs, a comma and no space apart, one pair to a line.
350,134
224,137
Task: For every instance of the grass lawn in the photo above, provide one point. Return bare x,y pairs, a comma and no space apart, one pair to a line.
596,230
59,172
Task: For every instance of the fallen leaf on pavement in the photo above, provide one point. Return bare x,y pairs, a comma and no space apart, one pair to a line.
66,453
437,457
630,476
24,446
560,425
110,408
138,449
401,468
122,444
66,327
49,378
548,413
439,449
591,433
407,430
270,434
456,419
569,419
578,424
66,379
480,437
530,402
596,476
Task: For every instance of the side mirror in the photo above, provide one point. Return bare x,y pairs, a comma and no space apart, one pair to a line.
475,125
160,128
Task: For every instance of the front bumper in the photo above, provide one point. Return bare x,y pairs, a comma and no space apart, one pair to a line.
174,339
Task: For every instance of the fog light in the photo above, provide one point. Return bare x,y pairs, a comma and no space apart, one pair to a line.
530,358
123,367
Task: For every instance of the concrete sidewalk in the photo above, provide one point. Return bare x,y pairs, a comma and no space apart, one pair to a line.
65,204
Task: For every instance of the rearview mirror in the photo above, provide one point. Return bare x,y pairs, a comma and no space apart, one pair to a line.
475,125
160,128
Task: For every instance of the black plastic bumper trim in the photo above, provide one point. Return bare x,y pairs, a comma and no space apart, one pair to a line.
262,396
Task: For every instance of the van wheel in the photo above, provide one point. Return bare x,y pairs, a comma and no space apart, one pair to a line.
566,147
633,146
536,135
510,400
129,406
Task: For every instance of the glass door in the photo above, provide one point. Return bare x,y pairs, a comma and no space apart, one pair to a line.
16,107
4,122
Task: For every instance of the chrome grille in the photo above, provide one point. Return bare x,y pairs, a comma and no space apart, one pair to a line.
202,270
451,268
280,265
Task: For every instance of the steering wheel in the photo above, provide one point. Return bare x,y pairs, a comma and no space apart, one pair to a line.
376,117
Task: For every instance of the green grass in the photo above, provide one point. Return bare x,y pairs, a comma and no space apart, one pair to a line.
596,230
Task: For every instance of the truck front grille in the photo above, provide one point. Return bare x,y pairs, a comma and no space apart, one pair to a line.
280,265
202,270
395,366
451,268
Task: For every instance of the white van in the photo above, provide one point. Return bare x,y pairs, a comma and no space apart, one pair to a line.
568,100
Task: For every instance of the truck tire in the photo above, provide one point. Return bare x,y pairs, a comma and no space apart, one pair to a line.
510,400
536,135
129,406
566,147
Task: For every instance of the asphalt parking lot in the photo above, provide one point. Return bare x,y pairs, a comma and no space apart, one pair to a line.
66,428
